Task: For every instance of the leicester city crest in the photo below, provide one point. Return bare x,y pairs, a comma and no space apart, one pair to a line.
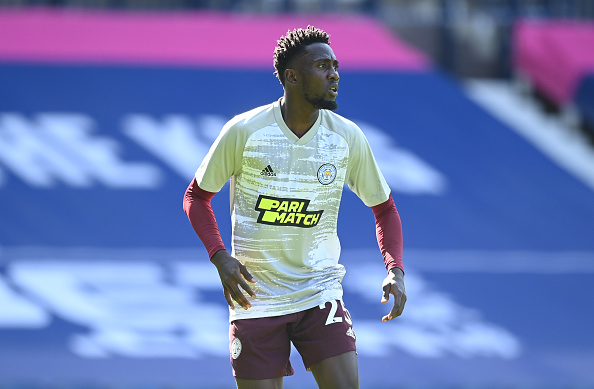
235,348
326,173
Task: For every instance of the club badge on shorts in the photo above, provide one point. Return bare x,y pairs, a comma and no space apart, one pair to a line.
326,173
235,348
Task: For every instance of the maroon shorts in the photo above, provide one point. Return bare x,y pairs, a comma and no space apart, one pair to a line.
260,347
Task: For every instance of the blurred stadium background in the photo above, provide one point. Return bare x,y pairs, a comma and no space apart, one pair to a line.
480,113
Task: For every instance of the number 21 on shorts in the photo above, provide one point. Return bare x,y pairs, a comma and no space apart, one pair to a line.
332,318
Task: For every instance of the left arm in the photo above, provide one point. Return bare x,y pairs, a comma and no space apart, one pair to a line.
389,238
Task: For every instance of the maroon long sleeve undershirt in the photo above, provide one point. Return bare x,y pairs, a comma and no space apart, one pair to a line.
197,205
388,230
199,210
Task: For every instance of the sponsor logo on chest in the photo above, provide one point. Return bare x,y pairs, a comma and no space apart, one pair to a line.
286,212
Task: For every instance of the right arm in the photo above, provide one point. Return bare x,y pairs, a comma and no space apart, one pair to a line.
197,206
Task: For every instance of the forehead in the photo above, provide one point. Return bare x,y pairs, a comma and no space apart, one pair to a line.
317,52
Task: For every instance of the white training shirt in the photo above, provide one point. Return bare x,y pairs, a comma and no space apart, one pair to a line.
285,196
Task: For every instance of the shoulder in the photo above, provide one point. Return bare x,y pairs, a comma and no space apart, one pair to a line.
344,127
248,122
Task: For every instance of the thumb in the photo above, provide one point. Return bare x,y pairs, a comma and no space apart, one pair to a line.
386,294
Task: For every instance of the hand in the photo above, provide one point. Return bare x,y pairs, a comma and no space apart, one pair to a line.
233,273
394,284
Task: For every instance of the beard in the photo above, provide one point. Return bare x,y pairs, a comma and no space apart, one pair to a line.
320,102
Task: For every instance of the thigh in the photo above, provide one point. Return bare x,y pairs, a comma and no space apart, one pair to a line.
323,332
260,348
337,372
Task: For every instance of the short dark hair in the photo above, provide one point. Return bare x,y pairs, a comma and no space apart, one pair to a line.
292,44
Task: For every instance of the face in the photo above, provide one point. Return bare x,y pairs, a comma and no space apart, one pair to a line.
318,76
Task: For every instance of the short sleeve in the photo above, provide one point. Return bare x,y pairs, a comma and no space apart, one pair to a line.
223,159
364,177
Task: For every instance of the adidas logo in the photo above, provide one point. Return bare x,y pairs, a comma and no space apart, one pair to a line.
267,171
351,333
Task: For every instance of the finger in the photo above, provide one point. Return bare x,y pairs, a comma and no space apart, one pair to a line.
398,307
247,288
241,300
389,316
239,297
246,274
228,298
395,312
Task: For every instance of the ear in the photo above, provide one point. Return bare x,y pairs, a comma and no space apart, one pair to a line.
290,76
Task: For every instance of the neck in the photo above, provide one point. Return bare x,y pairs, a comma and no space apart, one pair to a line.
298,117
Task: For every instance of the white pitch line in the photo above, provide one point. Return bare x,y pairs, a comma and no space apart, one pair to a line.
564,145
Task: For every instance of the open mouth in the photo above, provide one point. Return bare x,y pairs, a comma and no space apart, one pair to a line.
334,90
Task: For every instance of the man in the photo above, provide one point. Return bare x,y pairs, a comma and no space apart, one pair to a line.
287,162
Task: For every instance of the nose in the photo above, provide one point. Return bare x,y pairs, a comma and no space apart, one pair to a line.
334,75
